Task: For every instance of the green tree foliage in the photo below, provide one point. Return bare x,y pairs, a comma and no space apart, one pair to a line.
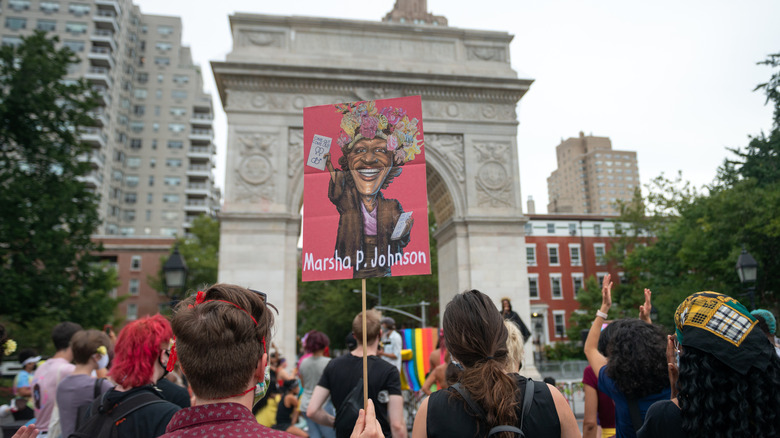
200,252
46,214
700,234
330,306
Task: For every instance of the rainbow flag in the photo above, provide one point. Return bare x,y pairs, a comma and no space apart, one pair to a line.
421,342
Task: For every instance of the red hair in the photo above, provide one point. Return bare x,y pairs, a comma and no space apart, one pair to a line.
137,349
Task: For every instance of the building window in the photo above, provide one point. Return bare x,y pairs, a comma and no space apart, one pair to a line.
140,93
76,28
175,144
574,255
165,30
142,78
530,254
46,25
559,319
139,110
11,41
170,198
572,229
149,200
137,126
135,263
132,312
131,181
172,180
179,94
133,162
49,7
178,111
15,23
529,228
130,198
577,284
599,251
134,287
78,9
533,286
173,162
551,228
19,5
181,79
555,287
597,229
177,127
170,215
129,215
162,60
74,46
552,254
164,46
169,232
600,277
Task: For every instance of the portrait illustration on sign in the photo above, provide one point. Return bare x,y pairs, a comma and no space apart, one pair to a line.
367,228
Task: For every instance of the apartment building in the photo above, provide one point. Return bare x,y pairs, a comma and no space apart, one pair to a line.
591,177
153,150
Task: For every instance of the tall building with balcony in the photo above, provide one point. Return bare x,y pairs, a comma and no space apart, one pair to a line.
152,147
591,177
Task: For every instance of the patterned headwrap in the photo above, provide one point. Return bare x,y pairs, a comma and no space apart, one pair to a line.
721,326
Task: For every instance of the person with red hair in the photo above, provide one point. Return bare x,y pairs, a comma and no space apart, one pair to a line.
140,357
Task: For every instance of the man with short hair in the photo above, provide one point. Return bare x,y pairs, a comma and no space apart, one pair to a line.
221,338
50,374
391,343
342,374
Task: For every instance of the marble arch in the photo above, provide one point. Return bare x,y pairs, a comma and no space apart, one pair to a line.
279,65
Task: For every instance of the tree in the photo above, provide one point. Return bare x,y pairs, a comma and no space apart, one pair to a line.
46,213
199,250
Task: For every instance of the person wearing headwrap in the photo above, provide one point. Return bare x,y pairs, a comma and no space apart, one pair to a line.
768,324
727,381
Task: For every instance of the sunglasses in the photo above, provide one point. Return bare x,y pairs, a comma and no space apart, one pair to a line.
263,296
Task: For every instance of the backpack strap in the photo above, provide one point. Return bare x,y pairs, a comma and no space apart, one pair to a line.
98,387
527,400
472,404
528,397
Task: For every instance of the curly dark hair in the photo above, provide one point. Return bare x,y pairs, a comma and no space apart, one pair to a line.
636,358
715,401
604,338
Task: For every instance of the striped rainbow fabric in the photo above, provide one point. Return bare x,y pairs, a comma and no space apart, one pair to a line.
421,342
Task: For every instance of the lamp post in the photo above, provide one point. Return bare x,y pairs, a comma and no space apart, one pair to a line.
747,269
175,271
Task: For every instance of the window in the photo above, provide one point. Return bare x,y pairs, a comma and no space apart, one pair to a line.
533,286
130,198
46,25
178,111
551,228
169,215
139,110
177,127
136,143
140,93
572,229
530,254
135,263
134,287
133,162
170,232
164,46
74,46
576,282
131,181
170,198
618,228
599,251
149,200
129,215
162,60
172,180
75,28
529,228
151,180
158,93
574,255
622,277
559,320
165,30
552,254
15,23
11,41
173,162
49,7
160,78
181,79
132,312
179,94
555,286
175,144
78,9
19,5
148,215
152,162
597,229
142,78
136,126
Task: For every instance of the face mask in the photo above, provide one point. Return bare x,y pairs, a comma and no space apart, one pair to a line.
163,366
102,362
262,387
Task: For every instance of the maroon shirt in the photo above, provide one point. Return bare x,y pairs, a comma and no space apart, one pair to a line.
606,409
223,420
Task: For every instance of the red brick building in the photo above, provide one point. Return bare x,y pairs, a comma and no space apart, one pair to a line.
136,260
562,252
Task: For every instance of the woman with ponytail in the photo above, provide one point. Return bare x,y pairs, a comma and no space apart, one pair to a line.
477,341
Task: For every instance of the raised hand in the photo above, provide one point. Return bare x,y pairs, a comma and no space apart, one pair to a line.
606,293
644,309
671,363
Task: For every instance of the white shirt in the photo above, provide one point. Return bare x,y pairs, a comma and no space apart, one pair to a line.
392,344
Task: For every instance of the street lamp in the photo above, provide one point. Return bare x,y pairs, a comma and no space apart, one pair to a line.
175,271
747,269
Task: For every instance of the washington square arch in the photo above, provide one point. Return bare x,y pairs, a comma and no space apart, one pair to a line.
279,65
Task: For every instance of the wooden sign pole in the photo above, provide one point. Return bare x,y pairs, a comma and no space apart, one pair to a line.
365,351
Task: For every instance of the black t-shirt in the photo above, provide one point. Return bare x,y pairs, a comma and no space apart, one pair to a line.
449,416
342,374
663,420
174,393
149,421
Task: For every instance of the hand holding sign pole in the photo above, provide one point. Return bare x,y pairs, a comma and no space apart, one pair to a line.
360,198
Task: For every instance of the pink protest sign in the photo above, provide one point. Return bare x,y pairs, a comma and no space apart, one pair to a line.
365,204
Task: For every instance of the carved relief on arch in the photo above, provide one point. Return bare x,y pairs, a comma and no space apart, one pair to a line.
450,148
255,168
294,151
493,180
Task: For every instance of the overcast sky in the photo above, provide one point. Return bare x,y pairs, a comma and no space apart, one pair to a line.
671,80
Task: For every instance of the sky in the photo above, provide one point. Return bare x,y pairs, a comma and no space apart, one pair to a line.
671,80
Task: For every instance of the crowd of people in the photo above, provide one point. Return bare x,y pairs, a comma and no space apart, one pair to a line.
209,371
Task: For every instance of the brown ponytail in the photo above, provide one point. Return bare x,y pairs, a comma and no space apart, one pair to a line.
476,337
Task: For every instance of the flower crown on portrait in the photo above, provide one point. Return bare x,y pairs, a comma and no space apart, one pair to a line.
363,121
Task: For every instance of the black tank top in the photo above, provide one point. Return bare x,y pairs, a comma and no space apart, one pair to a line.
283,413
449,417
